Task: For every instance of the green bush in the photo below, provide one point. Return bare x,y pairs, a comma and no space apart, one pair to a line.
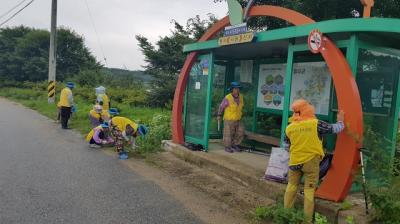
159,129
386,202
279,215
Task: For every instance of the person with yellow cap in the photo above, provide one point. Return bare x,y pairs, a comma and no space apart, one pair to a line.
231,107
125,130
304,140
66,104
97,115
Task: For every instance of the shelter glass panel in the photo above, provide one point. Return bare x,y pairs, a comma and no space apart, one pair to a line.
218,93
243,73
311,80
377,80
268,124
197,96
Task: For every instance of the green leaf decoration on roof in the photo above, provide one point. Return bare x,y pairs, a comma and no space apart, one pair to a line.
235,12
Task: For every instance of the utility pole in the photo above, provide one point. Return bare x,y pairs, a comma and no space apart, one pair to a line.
51,88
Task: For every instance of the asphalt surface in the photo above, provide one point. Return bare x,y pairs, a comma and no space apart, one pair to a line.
49,175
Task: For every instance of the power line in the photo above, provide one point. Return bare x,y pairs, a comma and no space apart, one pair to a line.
16,13
97,35
6,13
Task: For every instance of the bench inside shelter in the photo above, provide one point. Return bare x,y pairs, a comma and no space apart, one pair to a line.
261,138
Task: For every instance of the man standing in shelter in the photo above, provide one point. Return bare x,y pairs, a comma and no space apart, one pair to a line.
231,107
66,104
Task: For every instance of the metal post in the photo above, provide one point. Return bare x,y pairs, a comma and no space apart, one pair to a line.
364,184
51,88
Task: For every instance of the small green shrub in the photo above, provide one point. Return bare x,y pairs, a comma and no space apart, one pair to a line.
320,219
346,205
159,129
350,219
279,215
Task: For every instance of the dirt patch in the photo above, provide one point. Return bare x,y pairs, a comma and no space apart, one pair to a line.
212,198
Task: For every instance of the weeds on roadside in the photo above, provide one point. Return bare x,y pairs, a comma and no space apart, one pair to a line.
278,214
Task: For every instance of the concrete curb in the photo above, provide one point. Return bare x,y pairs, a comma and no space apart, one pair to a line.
249,177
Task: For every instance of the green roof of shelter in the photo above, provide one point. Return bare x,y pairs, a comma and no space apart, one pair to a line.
381,25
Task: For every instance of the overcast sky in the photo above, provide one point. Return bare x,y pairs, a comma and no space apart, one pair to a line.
117,22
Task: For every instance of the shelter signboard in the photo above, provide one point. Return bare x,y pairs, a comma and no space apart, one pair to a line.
271,86
236,39
312,81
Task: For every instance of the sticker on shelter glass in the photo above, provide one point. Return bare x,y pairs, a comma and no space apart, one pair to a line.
271,86
196,70
312,81
204,65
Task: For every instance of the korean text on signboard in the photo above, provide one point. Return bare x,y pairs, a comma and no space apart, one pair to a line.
236,39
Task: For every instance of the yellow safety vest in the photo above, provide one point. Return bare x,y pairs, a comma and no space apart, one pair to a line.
106,102
304,141
122,122
91,133
64,102
234,111
104,114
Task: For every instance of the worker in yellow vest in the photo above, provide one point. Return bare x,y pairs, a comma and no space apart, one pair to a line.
66,104
99,136
125,130
304,140
97,115
102,98
231,107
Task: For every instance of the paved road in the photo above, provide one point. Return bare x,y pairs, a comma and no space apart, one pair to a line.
48,175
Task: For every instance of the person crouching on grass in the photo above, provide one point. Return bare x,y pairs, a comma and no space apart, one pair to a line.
125,130
98,115
231,107
99,136
304,139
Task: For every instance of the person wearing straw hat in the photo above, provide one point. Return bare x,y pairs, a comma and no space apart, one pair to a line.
66,104
99,136
125,130
304,141
102,98
97,115
231,108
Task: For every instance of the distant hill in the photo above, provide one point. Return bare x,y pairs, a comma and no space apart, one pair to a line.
139,75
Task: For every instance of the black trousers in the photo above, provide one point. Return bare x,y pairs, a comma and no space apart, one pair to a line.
65,113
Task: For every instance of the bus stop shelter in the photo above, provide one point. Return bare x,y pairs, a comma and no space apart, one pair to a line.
355,67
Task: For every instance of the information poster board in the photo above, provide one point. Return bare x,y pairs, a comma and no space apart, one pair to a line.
271,86
312,81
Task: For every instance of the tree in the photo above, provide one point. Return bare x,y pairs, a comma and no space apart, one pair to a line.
321,10
165,59
25,53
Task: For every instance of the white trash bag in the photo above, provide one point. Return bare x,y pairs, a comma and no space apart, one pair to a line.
278,165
